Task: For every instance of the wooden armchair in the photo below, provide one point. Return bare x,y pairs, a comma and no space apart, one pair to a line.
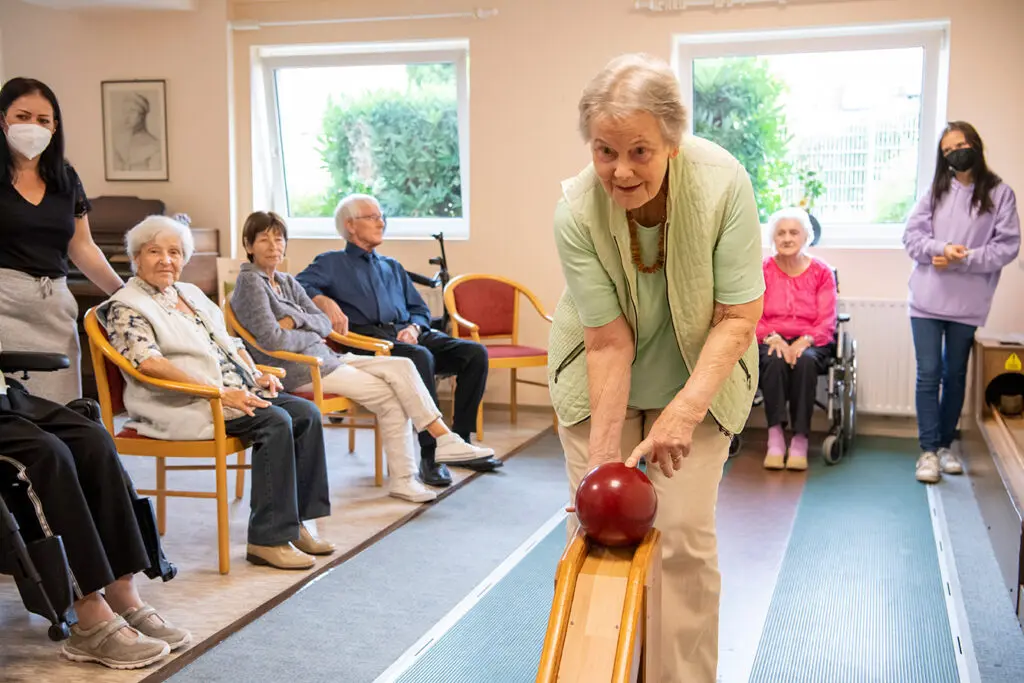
338,409
108,365
486,307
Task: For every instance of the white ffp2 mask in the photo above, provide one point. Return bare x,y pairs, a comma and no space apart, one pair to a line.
28,139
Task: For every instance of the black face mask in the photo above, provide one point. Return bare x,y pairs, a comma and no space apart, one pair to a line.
961,160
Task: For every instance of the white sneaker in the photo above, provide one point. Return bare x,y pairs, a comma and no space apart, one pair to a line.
452,449
928,468
410,488
949,462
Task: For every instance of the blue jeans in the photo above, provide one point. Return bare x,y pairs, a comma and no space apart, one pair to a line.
942,348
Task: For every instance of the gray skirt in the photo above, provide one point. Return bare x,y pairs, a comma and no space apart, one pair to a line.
41,314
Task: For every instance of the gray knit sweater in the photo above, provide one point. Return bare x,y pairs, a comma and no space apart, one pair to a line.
259,308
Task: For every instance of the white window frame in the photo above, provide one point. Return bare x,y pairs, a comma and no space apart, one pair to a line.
932,36
269,187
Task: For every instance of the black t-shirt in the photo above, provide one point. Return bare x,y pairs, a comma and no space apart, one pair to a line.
34,239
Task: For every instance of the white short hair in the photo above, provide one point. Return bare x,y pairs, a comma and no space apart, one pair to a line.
792,213
346,209
152,227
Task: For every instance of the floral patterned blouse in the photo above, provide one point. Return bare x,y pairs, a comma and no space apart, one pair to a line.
133,337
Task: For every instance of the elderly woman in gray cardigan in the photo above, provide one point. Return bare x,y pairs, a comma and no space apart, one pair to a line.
170,330
280,316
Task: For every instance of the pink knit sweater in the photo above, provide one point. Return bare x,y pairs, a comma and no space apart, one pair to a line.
794,306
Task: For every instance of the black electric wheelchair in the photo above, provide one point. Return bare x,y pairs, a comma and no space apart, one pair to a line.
840,395
31,554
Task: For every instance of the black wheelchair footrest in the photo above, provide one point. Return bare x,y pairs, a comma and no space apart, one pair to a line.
159,565
40,570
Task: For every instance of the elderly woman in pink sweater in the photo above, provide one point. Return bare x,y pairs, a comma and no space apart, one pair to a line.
795,335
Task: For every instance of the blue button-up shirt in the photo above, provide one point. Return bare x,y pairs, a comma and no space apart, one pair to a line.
369,288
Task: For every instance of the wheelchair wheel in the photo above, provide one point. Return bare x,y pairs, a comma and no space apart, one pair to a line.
849,398
832,449
59,632
735,445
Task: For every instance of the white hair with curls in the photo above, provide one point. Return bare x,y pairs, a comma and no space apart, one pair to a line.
346,210
634,83
152,227
791,213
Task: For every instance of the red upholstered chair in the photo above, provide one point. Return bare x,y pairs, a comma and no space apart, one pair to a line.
486,308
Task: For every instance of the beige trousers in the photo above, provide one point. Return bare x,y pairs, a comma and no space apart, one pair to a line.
390,388
691,583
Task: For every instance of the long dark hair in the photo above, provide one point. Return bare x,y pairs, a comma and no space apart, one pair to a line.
51,162
984,179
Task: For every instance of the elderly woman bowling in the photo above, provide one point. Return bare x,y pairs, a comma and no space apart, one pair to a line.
651,352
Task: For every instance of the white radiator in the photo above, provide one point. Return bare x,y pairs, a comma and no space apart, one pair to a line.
886,368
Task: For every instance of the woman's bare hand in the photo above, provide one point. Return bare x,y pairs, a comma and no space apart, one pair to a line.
243,400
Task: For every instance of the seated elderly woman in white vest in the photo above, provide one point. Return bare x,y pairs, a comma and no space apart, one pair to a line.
273,307
171,331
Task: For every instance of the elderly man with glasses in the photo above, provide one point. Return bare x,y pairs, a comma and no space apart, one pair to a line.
366,293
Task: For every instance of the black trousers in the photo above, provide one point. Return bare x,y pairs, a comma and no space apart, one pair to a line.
289,468
439,353
797,386
76,487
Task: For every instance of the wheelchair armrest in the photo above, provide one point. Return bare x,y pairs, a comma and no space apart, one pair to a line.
423,280
32,361
844,317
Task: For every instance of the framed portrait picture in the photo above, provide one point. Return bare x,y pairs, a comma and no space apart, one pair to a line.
135,130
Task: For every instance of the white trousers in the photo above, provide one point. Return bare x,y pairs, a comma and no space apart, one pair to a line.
691,583
391,389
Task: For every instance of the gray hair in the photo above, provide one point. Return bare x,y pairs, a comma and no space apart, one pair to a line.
792,213
152,227
634,83
346,210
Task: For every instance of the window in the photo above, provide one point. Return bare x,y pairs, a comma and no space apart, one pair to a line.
841,121
389,120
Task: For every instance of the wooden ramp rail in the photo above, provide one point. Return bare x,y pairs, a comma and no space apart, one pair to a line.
604,625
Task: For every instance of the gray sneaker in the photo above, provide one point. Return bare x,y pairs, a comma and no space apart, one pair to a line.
107,644
146,620
928,468
949,462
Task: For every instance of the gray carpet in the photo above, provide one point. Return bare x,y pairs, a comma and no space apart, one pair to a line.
362,616
995,632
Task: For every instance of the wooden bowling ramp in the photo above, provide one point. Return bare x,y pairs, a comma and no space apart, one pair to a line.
604,625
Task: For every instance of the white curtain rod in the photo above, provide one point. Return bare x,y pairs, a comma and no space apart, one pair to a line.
681,5
253,25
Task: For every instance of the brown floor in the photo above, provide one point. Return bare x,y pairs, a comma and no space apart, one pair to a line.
203,600
756,509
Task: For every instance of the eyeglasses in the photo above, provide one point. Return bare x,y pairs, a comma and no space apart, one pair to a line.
374,217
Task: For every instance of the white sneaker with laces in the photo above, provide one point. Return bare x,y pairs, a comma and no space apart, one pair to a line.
452,449
949,462
410,488
928,468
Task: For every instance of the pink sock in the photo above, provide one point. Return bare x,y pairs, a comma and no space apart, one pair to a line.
776,440
798,447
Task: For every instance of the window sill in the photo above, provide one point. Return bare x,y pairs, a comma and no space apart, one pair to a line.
404,229
870,236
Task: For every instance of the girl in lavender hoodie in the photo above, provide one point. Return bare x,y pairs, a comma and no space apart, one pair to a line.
960,235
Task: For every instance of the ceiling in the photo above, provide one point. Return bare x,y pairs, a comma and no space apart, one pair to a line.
117,4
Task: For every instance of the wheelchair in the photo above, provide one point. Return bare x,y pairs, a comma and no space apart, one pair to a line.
34,557
840,395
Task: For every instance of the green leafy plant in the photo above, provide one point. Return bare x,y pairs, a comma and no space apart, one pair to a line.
736,104
813,188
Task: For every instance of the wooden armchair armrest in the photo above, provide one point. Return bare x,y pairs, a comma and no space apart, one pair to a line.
474,329
198,390
537,305
362,342
275,371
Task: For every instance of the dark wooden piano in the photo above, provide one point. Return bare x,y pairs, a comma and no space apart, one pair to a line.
110,219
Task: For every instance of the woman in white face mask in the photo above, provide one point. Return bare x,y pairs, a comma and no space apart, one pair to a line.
43,223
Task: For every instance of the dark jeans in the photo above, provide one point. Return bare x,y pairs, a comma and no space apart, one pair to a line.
943,349
439,353
797,386
289,468
73,471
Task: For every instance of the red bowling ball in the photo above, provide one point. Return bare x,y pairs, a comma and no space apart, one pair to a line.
616,504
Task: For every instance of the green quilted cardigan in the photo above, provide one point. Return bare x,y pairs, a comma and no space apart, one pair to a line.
708,189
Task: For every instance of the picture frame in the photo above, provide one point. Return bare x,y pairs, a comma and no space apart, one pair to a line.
135,130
